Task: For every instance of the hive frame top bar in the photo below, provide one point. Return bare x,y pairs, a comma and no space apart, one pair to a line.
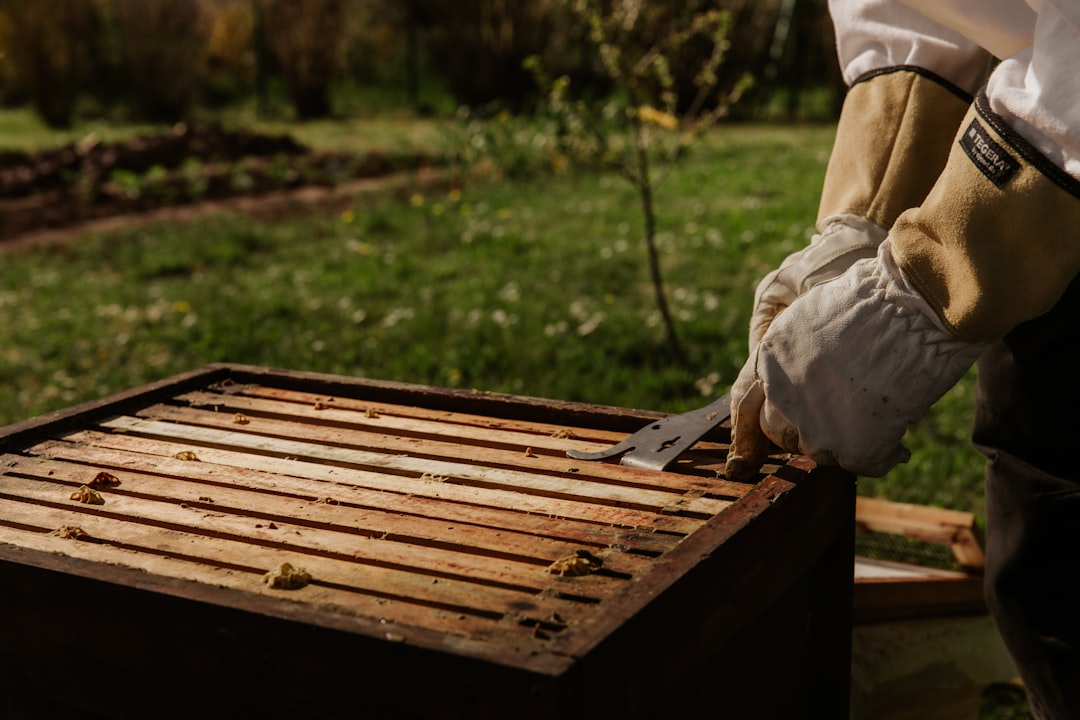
657,538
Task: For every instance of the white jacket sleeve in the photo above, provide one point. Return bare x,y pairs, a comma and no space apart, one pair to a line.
1037,90
1003,27
872,35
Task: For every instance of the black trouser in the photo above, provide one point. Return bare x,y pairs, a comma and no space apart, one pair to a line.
1026,421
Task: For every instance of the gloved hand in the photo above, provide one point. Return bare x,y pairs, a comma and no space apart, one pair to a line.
844,239
843,371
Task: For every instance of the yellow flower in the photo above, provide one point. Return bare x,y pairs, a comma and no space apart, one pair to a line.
347,216
660,118
454,195
416,200
181,306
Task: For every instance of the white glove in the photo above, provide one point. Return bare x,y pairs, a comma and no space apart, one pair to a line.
844,239
841,374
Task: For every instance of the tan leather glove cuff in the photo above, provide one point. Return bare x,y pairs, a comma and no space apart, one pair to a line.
997,240
892,139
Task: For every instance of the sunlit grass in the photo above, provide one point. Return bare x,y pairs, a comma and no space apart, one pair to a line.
22,130
366,134
536,286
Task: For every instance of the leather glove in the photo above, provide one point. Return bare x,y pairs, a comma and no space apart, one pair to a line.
848,366
843,371
891,143
843,240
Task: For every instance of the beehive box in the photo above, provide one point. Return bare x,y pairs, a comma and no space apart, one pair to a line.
459,563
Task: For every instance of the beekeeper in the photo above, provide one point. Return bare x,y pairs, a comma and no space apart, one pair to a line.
949,232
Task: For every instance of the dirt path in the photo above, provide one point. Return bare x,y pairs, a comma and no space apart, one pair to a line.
53,196
269,206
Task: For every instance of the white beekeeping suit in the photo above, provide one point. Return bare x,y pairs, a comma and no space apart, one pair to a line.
949,231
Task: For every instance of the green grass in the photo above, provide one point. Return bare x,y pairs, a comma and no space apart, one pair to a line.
22,130
533,286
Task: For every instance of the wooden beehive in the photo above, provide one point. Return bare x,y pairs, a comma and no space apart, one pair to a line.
461,565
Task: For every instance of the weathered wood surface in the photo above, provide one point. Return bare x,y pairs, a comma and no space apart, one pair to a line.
428,519
931,524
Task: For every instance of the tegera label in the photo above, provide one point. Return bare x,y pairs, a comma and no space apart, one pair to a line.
992,159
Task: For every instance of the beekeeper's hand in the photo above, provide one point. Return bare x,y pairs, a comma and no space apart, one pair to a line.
843,371
843,240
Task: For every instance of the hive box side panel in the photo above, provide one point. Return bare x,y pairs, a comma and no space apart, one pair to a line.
758,628
116,651
764,609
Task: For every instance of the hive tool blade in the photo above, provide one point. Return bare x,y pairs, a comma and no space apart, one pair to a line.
656,445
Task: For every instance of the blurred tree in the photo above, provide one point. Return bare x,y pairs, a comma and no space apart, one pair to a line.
479,46
163,55
746,46
230,52
107,81
12,87
415,19
261,57
164,45
383,44
306,38
800,62
785,45
50,43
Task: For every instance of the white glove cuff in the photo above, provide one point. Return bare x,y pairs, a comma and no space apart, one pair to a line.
843,239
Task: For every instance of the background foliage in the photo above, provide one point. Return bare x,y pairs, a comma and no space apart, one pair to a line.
164,61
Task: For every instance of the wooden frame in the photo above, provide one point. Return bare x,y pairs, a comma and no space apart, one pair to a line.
892,590
431,593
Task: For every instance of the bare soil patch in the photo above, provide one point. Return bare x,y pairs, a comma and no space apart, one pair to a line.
48,195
